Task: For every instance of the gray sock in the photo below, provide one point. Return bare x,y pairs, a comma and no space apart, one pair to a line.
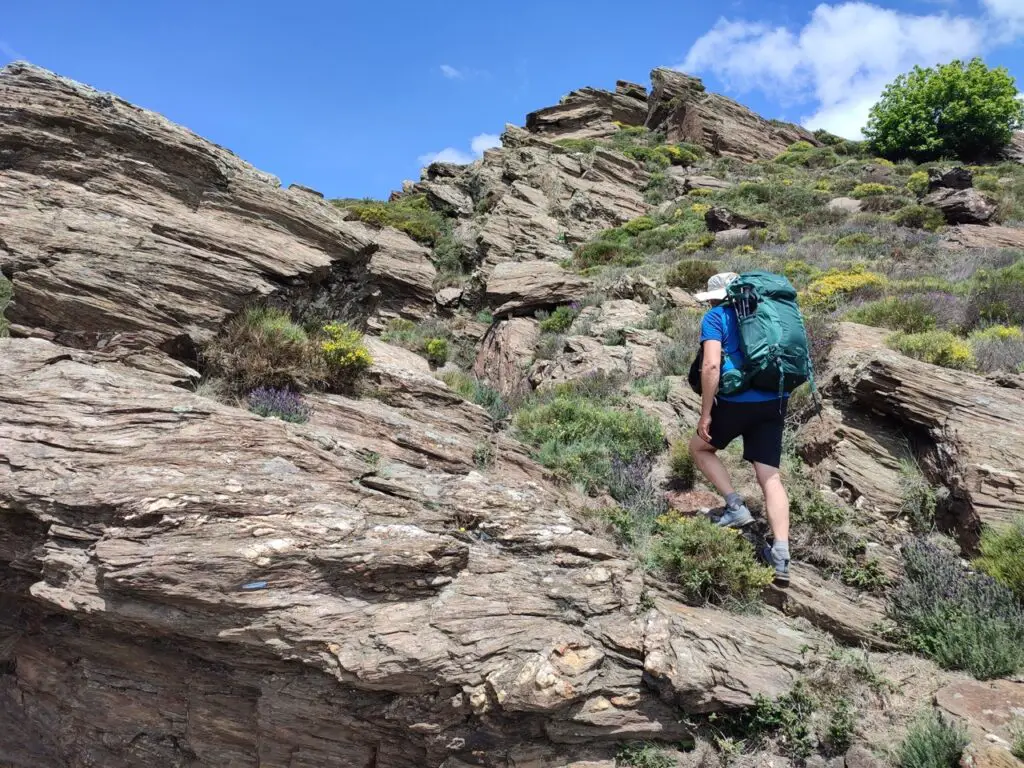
781,549
733,500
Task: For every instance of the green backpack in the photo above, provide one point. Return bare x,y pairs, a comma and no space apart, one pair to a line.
772,334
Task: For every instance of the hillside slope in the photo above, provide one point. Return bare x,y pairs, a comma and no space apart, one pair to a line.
465,555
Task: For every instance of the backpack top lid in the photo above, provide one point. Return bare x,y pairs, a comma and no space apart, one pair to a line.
766,285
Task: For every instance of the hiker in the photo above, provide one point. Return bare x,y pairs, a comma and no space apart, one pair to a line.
732,402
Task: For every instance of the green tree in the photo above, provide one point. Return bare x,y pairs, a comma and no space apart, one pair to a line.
963,110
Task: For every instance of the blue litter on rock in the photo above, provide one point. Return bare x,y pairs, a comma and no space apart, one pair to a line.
252,585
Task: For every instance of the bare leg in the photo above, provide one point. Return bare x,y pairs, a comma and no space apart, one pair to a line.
776,502
710,465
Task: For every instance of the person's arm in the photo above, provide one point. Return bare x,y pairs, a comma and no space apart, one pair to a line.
710,375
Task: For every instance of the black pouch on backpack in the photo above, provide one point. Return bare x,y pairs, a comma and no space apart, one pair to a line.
694,376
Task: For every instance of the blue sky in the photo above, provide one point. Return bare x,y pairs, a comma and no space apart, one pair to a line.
350,97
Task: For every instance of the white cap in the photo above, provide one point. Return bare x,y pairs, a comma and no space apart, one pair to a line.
716,287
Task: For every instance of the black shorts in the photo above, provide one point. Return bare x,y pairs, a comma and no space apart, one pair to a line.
759,424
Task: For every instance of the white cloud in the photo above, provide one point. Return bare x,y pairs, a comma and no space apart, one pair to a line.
842,58
447,155
478,144
484,141
451,72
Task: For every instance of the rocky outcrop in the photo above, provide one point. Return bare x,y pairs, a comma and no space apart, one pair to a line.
965,432
846,205
720,219
116,221
506,354
679,106
591,113
951,178
177,594
963,206
517,287
978,236
682,108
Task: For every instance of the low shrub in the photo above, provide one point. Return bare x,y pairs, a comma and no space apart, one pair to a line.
691,274
411,214
997,296
1017,746
919,217
862,191
279,403
804,154
932,742
935,347
828,290
865,574
262,347
658,189
960,619
857,241
344,352
1002,555
709,563
789,718
476,391
654,387
918,500
578,438
6,292
601,252
682,469
578,145
917,183
640,224
910,314
883,204
998,348
643,755
436,351
822,333
560,320
430,339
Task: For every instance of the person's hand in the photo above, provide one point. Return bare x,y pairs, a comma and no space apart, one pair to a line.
704,428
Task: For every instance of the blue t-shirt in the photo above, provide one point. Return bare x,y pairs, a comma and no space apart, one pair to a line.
720,324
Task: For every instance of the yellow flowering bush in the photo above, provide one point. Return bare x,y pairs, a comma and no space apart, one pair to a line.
700,208
829,289
935,347
344,352
917,183
870,189
701,192
998,333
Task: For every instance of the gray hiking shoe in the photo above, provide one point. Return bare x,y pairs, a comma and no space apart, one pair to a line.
735,517
780,564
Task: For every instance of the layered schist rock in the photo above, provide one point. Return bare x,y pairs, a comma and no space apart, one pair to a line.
114,220
964,430
186,583
393,583
533,199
